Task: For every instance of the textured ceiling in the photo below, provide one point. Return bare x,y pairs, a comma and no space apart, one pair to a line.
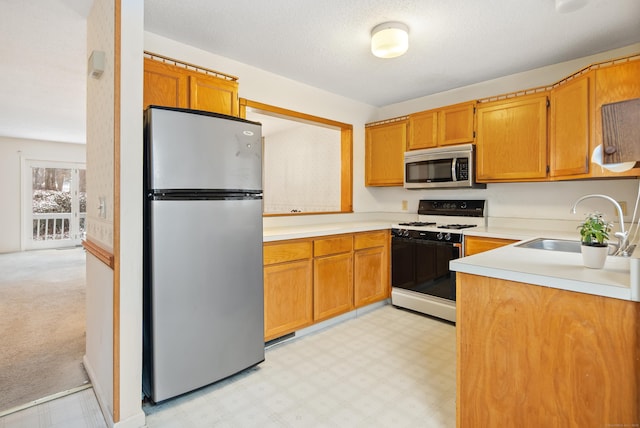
325,44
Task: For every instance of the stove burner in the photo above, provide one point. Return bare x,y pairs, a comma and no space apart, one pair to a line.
456,226
418,223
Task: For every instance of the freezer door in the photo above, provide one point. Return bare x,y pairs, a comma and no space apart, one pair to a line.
186,149
206,292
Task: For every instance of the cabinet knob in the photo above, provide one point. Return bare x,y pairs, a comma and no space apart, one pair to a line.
610,150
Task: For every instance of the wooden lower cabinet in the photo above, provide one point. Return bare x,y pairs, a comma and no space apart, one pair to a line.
332,276
311,280
479,244
371,267
288,287
332,285
534,356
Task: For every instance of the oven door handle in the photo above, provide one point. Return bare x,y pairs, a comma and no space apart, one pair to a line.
459,247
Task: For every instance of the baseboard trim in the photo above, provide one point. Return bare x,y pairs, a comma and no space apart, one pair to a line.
104,405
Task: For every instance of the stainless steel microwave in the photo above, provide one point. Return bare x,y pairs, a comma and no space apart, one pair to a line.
441,167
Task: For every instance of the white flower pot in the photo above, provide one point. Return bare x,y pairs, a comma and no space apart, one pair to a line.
594,257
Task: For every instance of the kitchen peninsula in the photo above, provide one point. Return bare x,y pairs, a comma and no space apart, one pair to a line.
544,341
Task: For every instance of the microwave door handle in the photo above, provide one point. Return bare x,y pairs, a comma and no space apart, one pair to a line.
453,169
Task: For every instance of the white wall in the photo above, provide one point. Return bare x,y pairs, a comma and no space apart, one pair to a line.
130,251
302,170
12,153
526,80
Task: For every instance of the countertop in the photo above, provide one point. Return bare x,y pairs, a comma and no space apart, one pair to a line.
311,230
620,277
556,269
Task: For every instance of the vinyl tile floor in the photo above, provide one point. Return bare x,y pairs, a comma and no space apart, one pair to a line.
385,368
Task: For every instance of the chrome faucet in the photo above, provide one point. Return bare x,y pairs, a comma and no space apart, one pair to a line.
623,241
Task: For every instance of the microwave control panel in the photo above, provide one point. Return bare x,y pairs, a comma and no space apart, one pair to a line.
462,169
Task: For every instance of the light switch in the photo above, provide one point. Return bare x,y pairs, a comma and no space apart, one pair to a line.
102,207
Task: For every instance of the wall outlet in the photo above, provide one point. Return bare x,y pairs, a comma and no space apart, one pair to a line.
405,205
623,205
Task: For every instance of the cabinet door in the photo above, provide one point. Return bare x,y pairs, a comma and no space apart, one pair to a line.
512,139
288,304
620,82
165,85
456,124
213,94
384,154
371,276
333,285
423,130
569,128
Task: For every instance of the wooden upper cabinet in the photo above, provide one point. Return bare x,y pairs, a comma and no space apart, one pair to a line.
615,83
569,129
173,86
511,139
213,94
440,127
165,85
385,145
423,130
455,124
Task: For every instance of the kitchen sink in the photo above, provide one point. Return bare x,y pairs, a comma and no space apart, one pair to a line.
568,246
552,245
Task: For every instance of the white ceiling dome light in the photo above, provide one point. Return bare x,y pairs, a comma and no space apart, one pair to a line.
566,6
389,39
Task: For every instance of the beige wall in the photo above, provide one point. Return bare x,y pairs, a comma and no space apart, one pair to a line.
98,359
114,296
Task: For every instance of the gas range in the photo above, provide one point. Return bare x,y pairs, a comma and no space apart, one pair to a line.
446,216
421,252
433,223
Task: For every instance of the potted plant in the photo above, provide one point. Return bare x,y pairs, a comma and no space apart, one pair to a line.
594,232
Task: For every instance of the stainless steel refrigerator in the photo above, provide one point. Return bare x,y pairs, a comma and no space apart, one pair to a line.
203,299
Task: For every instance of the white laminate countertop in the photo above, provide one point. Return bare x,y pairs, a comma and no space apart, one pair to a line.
556,269
324,229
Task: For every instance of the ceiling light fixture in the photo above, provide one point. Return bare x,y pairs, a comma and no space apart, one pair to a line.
566,6
389,39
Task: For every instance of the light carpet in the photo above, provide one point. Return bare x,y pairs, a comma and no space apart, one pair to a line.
42,324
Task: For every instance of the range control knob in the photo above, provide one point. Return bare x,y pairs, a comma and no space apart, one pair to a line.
439,236
447,237
405,232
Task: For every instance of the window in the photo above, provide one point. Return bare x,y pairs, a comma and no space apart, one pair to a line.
55,204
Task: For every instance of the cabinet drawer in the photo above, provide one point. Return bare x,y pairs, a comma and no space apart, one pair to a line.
474,245
370,239
333,245
286,252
